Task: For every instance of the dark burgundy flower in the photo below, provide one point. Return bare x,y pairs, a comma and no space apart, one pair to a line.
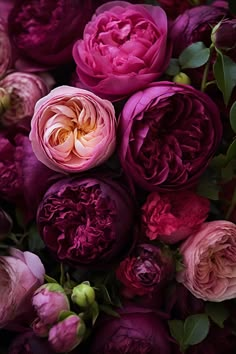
86,221
180,303
145,270
194,25
29,343
168,133
137,331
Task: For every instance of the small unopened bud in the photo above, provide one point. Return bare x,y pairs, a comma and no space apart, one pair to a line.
67,334
83,295
49,300
182,78
4,100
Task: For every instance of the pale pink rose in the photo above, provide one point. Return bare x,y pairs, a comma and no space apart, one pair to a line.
21,274
209,258
73,130
24,91
173,216
5,49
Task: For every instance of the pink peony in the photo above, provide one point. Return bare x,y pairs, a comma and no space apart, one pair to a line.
49,300
209,258
173,216
24,90
124,48
73,130
21,274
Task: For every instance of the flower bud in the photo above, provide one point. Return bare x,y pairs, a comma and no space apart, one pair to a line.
49,300
223,37
83,295
182,78
4,100
67,334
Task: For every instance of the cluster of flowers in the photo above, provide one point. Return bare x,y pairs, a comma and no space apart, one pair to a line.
117,188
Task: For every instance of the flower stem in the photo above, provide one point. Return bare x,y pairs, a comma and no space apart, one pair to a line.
206,70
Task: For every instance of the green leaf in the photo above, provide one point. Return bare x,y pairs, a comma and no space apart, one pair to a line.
173,68
64,314
231,152
218,161
225,75
35,243
196,328
228,172
232,117
109,311
177,330
218,312
208,189
50,279
94,312
194,56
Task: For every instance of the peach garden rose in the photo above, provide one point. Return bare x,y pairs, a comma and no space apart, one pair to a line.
73,130
210,262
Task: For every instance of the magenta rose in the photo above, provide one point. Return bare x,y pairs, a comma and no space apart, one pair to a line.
195,25
174,8
48,39
145,271
138,331
209,258
86,221
168,133
73,130
24,91
5,48
173,216
124,48
21,274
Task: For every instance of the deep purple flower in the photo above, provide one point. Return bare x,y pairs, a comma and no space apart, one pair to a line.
29,343
137,331
86,221
194,25
168,133
223,36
